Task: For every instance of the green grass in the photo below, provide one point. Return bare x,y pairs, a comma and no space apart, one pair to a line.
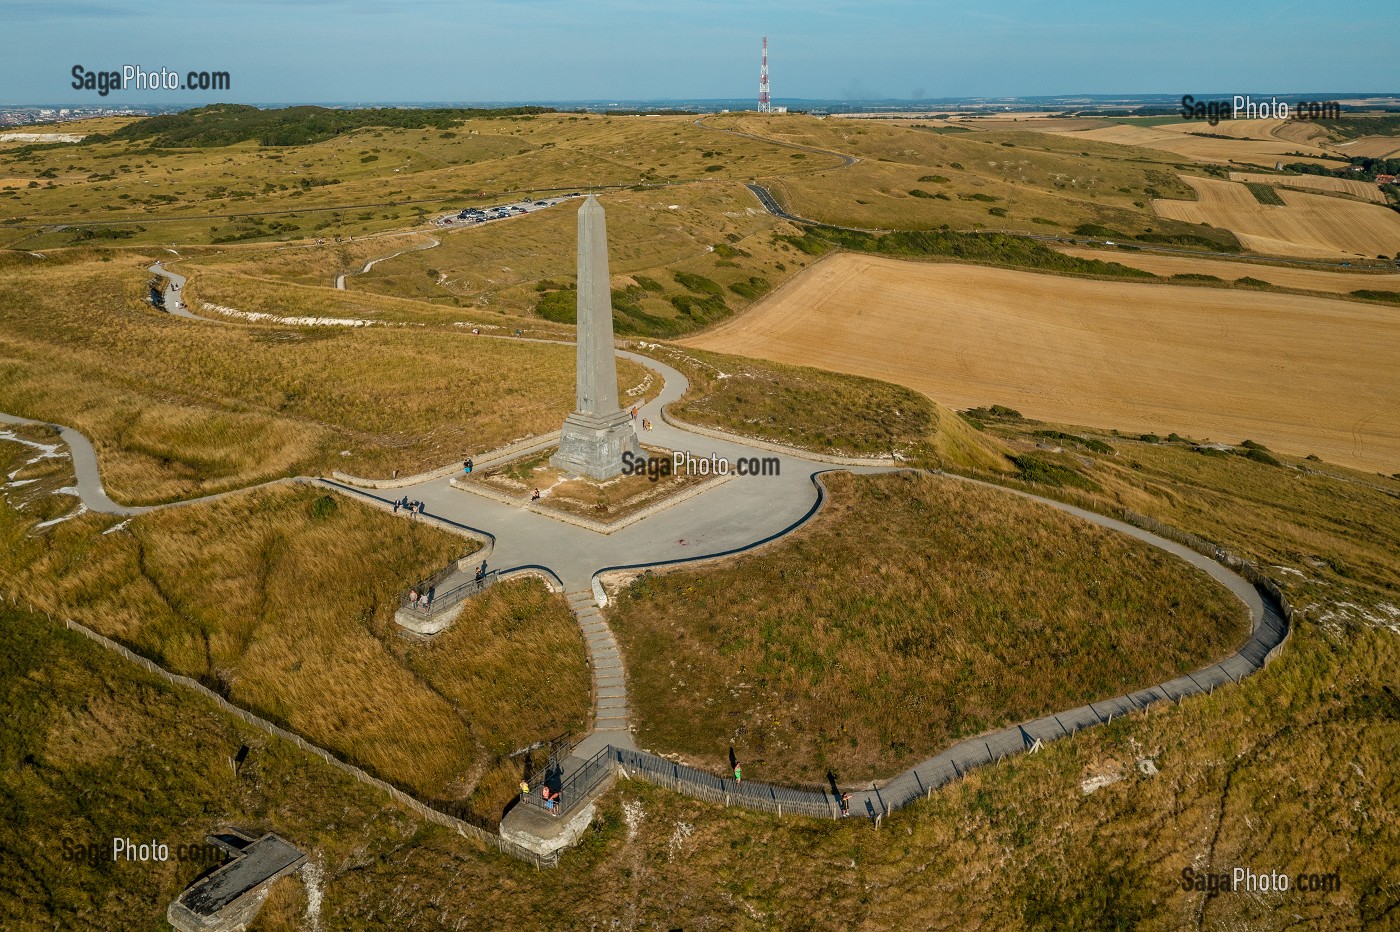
817,655
988,248
1265,194
1393,297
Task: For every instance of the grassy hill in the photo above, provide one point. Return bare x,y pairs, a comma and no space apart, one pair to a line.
230,124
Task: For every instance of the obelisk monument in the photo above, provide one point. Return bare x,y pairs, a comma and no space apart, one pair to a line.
598,432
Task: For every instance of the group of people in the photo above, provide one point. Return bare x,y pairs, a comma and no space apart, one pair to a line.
646,424
422,599
467,466
414,508
551,798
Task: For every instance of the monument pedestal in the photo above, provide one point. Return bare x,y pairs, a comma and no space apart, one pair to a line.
592,444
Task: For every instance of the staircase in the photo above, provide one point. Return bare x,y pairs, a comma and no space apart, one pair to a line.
609,681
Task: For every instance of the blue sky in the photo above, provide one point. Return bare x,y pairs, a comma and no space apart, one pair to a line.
382,50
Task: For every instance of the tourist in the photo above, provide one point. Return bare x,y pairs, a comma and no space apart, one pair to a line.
738,774
524,789
535,496
396,506
468,465
432,594
634,412
413,596
845,805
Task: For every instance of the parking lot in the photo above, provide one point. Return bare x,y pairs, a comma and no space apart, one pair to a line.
474,216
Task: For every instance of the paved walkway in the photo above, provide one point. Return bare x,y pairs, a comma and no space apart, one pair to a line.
741,514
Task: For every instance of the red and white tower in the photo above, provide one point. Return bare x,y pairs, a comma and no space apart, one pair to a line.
764,104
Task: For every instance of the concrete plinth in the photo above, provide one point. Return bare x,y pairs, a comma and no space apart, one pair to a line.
592,445
545,834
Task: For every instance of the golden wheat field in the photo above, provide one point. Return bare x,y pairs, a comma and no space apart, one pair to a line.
1266,130
1364,190
1376,147
1205,148
1230,270
1302,374
1308,225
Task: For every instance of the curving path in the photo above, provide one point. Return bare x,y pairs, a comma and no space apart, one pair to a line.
173,290
433,243
738,515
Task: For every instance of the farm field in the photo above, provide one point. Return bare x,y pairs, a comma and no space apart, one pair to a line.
1283,276
1204,148
1303,374
1308,225
1376,147
1363,190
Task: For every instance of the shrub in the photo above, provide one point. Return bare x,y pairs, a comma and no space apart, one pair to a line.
1040,471
752,288
934,179
698,283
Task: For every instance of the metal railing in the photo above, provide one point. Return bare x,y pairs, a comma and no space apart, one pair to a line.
572,789
424,603
779,800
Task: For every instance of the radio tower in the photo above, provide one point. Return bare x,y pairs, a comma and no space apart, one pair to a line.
763,102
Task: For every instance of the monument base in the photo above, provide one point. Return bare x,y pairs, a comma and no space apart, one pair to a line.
592,445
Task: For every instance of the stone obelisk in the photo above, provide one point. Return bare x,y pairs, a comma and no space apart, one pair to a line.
598,432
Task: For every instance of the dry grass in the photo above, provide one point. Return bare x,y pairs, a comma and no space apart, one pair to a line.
1290,771
321,190
1321,526
1302,374
826,412
282,601
1037,182
178,408
1308,225
1284,276
962,610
